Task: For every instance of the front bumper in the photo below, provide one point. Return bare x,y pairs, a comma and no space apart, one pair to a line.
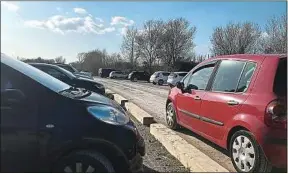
136,164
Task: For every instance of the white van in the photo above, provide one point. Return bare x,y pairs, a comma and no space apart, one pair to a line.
159,77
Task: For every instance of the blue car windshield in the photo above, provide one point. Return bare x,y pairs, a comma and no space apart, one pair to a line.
34,73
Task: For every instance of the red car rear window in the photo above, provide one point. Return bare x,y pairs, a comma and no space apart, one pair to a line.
280,81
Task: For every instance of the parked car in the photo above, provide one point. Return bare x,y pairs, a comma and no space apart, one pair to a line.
75,71
117,75
175,77
238,102
69,78
159,77
49,126
104,72
139,75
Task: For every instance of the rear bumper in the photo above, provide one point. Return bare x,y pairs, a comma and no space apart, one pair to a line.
275,147
276,152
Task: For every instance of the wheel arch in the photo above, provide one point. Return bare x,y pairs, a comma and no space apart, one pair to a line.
115,155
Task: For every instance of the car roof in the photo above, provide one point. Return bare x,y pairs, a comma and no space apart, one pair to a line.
255,57
180,72
43,64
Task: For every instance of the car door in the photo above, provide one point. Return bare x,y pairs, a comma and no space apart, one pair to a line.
225,96
189,103
19,109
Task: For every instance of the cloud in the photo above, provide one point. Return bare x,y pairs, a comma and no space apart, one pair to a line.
99,19
119,20
10,6
62,24
80,10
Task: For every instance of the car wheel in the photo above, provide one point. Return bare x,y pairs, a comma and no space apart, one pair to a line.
84,162
171,119
154,83
160,82
135,79
246,154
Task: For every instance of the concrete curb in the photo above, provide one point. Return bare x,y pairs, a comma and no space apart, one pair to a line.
142,116
188,155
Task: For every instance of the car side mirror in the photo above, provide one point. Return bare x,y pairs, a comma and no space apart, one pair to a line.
190,87
180,85
11,96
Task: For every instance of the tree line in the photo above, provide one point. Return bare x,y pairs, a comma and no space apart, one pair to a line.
169,45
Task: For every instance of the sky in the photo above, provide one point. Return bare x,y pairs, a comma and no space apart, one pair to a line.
66,28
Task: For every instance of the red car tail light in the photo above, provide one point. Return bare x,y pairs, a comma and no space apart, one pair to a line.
276,115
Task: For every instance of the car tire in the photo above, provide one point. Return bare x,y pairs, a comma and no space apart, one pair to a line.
246,154
154,83
160,82
134,79
84,161
171,119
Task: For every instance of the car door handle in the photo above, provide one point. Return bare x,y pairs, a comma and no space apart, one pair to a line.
197,98
232,102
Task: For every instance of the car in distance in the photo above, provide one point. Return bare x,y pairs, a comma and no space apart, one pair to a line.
104,72
75,71
69,78
139,75
159,77
238,102
117,75
49,126
175,77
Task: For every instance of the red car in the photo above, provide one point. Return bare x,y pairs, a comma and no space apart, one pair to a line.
238,102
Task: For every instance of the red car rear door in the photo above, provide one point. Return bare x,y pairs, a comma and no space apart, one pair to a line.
226,95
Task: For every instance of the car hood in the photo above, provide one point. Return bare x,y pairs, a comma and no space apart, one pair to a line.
95,98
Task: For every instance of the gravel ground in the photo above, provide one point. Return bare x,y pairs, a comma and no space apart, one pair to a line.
157,158
152,98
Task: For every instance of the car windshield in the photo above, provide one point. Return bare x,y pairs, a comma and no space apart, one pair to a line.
35,74
280,82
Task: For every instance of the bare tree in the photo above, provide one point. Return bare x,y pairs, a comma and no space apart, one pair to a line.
274,39
177,41
149,42
60,59
128,47
235,38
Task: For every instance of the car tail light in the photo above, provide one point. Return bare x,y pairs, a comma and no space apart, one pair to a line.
276,114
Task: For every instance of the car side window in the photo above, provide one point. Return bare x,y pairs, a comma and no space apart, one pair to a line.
201,76
246,76
227,76
166,74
